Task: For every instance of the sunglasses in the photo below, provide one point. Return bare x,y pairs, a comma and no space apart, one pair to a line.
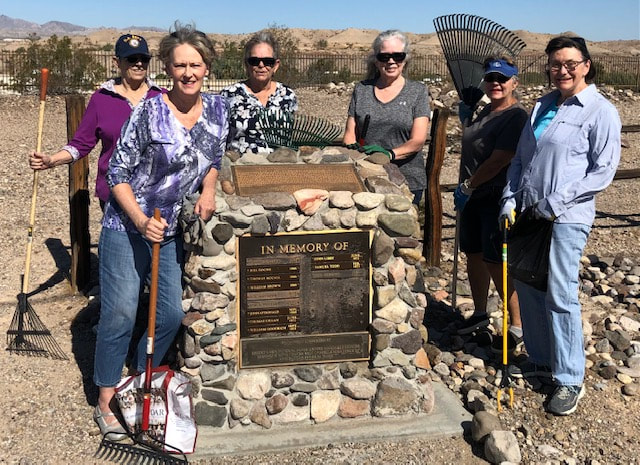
267,61
496,77
133,59
398,57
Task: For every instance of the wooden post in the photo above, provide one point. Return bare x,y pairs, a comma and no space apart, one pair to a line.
433,201
78,202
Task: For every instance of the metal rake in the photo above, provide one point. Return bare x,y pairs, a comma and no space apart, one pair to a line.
467,40
293,130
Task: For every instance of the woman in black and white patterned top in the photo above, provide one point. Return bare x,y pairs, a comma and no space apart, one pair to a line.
257,93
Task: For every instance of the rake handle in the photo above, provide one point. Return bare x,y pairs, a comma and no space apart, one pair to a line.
34,190
151,329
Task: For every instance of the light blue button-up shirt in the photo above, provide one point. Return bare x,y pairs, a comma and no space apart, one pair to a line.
575,157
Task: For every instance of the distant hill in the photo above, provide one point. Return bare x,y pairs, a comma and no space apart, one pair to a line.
350,40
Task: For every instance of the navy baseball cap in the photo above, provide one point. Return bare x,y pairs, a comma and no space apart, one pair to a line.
131,44
502,67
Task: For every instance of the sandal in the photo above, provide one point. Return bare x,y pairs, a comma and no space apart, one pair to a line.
112,431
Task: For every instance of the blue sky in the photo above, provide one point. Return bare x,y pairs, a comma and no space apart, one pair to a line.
593,19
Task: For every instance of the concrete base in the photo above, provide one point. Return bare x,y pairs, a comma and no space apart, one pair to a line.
446,420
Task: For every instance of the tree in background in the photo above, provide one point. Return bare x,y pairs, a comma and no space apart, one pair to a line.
71,67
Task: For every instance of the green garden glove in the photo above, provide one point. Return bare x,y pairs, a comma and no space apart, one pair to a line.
369,149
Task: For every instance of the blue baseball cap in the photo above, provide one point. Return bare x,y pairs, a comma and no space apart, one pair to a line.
501,67
131,44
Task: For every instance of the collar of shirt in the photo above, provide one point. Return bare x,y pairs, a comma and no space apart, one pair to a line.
110,85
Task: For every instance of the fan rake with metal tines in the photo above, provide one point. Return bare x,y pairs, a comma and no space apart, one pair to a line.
287,129
466,41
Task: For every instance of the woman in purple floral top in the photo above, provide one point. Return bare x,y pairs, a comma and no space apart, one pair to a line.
108,109
259,92
171,146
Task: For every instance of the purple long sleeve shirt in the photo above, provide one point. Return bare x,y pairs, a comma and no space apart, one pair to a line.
103,119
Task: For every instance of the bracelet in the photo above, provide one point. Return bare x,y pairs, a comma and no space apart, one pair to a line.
466,187
392,154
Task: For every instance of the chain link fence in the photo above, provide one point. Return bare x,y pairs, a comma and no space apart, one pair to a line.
18,75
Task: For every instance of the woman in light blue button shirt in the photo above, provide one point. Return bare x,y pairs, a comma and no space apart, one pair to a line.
568,152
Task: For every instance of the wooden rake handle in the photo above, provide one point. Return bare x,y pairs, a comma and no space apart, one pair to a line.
34,190
151,328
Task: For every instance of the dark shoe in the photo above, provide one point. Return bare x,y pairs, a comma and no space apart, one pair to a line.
513,342
564,400
530,370
474,323
482,337
112,431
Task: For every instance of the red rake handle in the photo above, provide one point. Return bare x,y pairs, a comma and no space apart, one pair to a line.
151,330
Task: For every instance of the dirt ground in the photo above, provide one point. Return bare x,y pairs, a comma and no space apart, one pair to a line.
46,405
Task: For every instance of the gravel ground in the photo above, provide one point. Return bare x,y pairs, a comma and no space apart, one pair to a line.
46,405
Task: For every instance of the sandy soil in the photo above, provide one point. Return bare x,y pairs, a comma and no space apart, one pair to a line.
46,405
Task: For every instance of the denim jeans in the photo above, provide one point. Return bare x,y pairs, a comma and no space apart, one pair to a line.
125,263
551,321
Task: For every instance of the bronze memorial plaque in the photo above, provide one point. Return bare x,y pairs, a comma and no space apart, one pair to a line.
304,297
260,179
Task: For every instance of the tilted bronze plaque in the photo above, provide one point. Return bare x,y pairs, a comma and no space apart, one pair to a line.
260,179
304,297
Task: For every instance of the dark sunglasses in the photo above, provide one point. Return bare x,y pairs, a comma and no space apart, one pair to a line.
496,77
398,57
133,59
267,61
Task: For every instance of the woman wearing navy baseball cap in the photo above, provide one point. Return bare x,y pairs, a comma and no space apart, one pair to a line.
108,109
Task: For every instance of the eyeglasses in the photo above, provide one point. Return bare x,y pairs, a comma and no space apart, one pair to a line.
556,66
133,59
496,77
267,61
398,57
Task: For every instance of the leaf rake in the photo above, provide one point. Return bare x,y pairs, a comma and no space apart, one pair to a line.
467,40
27,334
287,129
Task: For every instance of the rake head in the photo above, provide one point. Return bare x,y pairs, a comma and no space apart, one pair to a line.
144,450
287,129
467,40
27,335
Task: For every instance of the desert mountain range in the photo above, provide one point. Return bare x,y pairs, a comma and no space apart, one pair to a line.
13,33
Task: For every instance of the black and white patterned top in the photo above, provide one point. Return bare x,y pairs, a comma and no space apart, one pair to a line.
244,136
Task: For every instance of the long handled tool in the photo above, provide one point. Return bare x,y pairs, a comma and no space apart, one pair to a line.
27,334
147,449
293,130
467,40
454,278
507,381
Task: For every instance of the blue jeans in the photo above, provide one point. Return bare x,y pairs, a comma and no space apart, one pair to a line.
125,262
551,321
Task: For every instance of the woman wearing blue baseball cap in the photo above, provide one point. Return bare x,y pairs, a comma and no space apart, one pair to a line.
107,111
488,144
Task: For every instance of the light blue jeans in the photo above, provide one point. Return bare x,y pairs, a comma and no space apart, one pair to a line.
125,263
551,321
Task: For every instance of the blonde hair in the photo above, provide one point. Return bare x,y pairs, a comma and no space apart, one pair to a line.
186,34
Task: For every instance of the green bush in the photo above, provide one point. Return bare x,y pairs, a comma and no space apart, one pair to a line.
230,63
71,68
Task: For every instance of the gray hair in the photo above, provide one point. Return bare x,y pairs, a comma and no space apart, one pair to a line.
372,71
262,37
186,34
